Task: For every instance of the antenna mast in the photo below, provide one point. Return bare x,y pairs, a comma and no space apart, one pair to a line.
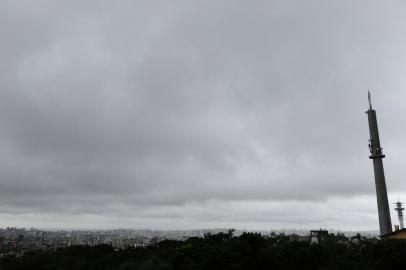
400,209
385,223
369,100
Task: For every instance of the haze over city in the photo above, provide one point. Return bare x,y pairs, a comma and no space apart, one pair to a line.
196,114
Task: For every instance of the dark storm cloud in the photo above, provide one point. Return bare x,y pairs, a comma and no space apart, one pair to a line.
161,111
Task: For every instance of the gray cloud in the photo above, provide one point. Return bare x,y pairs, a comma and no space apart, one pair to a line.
179,112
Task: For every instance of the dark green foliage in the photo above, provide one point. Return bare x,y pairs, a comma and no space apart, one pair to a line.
224,251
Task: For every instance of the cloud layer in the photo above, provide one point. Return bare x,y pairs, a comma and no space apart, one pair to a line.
196,114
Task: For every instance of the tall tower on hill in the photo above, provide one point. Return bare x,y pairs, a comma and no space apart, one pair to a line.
385,225
399,208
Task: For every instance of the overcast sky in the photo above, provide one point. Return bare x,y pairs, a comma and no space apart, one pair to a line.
199,114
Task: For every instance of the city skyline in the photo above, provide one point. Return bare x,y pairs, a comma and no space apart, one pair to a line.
200,115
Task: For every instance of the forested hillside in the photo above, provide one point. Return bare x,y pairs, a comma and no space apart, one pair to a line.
224,251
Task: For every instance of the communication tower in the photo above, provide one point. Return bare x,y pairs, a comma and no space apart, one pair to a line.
375,149
400,209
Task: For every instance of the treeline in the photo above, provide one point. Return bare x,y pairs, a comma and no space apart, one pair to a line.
224,251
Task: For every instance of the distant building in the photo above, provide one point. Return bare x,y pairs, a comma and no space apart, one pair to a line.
397,234
318,235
